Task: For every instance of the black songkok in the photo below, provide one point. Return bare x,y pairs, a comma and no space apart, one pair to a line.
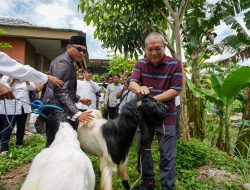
78,40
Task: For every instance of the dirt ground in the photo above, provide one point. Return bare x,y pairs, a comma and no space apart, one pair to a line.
15,177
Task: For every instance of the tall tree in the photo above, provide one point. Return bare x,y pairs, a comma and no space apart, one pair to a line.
123,26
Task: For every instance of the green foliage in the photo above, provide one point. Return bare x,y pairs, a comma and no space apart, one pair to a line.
2,187
98,77
247,19
3,44
224,89
243,164
197,26
195,154
232,84
189,157
119,64
188,180
123,25
225,92
20,156
241,38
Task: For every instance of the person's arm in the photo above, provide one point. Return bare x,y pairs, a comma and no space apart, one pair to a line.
94,86
139,90
5,92
124,87
85,117
12,68
55,81
119,94
135,79
167,95
106,96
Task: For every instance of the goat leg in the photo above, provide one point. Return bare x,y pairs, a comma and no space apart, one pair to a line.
126,184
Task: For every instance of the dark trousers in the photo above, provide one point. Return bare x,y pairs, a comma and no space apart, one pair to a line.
111,112
2,119
53,123
105,114
20,120
167,150
178,128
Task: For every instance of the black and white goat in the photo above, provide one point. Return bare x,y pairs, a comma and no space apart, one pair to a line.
110,140
62,166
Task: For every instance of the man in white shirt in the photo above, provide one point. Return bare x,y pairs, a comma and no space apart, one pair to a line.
87,88
16,111
111,100
177,104
14,69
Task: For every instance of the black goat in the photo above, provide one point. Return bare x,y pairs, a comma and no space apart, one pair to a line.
111,139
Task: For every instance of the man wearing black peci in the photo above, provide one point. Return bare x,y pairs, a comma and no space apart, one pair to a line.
63,67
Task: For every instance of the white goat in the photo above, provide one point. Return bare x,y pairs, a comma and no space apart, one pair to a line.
62,166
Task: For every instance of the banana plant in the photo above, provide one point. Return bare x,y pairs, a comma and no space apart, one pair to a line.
223,94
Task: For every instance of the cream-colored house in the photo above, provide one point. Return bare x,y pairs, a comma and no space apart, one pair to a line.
34,45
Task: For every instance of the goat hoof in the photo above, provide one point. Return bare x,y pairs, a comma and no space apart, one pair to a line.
126,184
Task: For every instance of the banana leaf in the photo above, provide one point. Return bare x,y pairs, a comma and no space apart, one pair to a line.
234,82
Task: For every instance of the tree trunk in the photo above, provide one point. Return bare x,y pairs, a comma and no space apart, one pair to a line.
184,115
183,98
227,134
244,135
197,111
220,139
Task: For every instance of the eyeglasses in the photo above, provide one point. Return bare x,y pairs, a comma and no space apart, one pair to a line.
79,49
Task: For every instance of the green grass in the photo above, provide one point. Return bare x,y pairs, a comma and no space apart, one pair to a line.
23,155
190,157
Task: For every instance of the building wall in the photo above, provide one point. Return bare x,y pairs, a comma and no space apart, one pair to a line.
30,58
18,47
46,64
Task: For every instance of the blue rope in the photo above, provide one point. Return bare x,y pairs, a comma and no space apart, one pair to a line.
37,106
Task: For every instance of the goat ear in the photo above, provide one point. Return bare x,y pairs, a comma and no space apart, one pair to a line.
138,103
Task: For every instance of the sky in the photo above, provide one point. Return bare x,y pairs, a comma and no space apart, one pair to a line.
64,14
54,14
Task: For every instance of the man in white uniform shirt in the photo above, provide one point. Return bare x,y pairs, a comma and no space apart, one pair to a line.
14,69
15,111
87,88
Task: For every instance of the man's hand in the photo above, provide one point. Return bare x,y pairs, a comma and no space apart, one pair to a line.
55,81
5,92
143,90
86,101
105,106
125,84
85,117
